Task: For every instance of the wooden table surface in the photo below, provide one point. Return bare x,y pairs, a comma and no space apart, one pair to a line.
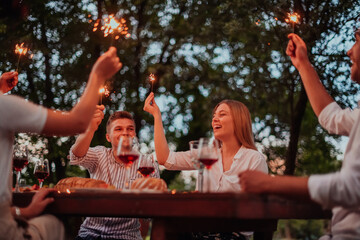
181,212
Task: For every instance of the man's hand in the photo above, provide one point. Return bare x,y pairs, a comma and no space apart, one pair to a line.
38,203
254,181
8,81
150,105
97,118
296,50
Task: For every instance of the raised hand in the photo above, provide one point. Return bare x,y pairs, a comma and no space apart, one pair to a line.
107,64
150,105
296,50
8,81
97,118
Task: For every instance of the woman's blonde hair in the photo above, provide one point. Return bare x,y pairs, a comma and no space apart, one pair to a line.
242,122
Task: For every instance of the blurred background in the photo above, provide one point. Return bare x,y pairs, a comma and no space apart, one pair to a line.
200,52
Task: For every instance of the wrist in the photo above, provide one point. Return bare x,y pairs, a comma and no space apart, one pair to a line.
17,211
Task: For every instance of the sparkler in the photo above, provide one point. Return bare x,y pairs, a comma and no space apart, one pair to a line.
103,91
152,80
21,50
112,26
293,18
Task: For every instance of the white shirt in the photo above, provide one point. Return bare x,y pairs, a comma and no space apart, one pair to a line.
228,181
16,115
341,190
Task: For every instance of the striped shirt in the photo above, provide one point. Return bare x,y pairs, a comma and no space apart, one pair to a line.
101,164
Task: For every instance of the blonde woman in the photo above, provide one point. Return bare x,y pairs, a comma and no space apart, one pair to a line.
231,125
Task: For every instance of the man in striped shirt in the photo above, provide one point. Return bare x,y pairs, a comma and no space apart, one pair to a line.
102,165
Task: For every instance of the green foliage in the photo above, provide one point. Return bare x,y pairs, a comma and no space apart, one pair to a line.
201,52
301,229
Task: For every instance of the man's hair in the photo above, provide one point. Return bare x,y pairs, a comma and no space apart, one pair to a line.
118,115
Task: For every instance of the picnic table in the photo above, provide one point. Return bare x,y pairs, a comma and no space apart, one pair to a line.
184,212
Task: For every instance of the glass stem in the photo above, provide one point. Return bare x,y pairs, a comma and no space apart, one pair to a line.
41,183
127,183
201,180
17,188
208,180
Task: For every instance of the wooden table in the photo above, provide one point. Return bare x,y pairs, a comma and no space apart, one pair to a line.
181,212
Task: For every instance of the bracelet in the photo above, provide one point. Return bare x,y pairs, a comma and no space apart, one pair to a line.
17,212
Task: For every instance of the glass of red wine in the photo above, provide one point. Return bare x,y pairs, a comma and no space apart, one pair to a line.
127,153
41,171
20,160
194,152
209,153
146,165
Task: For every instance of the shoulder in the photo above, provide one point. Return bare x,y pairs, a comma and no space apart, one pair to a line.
250,153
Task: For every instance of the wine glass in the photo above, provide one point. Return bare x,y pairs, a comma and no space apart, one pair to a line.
41,171
127,153
146,165
209,153
20,160
194,145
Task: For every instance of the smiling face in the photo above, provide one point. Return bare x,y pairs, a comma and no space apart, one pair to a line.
354,54
120,127
222,122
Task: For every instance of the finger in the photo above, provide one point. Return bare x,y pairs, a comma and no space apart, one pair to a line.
47,201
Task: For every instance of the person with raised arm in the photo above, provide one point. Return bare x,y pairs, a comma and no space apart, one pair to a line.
104,164
339,191
18,115
231,124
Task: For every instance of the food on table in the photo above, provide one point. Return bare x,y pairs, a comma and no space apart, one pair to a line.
78,182
149,184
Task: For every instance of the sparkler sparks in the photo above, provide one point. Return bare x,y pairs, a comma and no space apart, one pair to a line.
112,26
103,91
21,50
152,80
293,19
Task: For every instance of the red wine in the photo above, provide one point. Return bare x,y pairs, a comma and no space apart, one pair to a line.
208,162
41,175
19,163
146,171
128,159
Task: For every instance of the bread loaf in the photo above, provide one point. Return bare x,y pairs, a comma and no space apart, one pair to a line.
78,182
149,184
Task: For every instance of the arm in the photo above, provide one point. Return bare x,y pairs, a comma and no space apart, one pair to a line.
288,186
8,81
77,120
161,145
83,142
317,94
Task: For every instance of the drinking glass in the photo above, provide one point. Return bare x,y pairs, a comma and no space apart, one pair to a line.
41,171
20,160
194,146
146,165
128,153
209,153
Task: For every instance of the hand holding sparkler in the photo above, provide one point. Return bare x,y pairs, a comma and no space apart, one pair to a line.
8,81
97,118
151,107
297,51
